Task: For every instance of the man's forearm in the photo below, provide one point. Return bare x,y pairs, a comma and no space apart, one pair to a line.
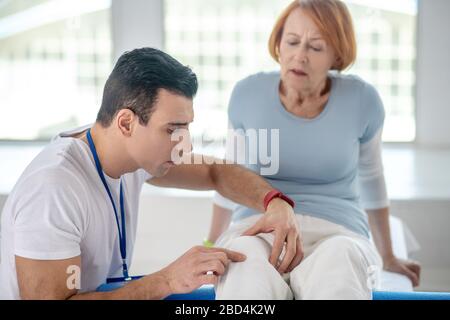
230,180
379,225
240,185
151,287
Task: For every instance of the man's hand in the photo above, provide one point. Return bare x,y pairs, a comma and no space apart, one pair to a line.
198,266
409,268
280,219
45,279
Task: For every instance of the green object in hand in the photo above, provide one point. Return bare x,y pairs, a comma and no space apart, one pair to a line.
208,243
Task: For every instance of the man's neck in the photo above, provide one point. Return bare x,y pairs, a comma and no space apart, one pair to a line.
111,154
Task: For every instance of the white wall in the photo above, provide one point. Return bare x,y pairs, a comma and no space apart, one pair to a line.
136,24
433,74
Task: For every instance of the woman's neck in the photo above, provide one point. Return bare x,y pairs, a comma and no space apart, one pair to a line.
307,103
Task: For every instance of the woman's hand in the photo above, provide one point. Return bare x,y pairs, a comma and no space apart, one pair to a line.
281,220
409,268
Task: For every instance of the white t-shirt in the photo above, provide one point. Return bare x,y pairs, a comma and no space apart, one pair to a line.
60,209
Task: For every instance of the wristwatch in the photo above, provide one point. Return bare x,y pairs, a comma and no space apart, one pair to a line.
277,194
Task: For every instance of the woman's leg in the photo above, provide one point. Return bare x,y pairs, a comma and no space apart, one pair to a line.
339,267
255,278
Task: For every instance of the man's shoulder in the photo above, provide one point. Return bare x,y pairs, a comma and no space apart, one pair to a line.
58,165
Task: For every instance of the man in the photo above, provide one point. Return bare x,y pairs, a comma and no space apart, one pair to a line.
75,206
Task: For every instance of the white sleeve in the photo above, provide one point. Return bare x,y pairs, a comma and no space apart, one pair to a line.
233,152
49,221
143,176
371,175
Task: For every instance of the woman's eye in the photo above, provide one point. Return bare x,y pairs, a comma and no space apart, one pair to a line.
170,131
292,43
317,49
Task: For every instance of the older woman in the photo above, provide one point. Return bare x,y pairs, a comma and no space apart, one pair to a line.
330,164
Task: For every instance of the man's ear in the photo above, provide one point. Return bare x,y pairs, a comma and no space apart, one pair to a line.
125,120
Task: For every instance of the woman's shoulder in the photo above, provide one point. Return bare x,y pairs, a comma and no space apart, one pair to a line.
352,83
249,93
260,79
367,96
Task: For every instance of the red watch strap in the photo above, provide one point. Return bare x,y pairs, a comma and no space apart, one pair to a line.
277,194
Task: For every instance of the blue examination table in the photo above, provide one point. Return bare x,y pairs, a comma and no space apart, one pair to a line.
207,293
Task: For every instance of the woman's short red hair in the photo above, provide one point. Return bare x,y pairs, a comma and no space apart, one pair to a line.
334,22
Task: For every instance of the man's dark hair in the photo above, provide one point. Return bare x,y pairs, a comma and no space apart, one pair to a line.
136,79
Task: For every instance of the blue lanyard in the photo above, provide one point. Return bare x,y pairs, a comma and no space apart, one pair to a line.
122,234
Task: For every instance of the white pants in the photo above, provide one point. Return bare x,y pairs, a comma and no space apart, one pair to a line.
337,264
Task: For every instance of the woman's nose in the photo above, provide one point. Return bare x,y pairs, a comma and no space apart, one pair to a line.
301,55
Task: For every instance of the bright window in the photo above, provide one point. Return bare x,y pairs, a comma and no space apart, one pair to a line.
225,41
55,57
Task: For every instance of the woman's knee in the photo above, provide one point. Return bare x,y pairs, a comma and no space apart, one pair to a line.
342,245
252,246
254,278
337,269
345,253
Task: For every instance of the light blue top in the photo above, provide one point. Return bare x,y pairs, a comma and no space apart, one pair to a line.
318,158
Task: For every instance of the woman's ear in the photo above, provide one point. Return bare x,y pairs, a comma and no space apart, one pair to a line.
125,121
337,63
277,52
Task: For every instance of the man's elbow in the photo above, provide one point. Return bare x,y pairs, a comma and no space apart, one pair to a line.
44,291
